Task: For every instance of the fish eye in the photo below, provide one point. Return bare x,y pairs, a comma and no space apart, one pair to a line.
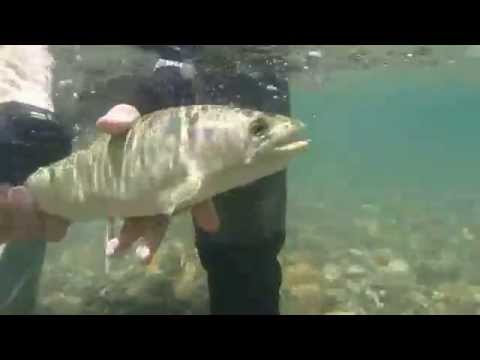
259,127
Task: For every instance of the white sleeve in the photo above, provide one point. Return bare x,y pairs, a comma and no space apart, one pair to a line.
26,75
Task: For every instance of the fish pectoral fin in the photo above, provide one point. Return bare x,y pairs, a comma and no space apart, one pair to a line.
184,192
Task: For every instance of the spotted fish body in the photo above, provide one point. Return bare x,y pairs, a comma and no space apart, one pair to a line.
169,160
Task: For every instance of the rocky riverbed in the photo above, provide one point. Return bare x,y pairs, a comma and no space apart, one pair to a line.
365,259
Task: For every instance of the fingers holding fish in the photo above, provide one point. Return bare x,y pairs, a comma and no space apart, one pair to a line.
133,229
148,231
205,216
15,197
152,238
21,221
25,219
18,219
18,225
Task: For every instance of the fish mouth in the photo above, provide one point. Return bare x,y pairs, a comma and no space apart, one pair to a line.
296,145
292,140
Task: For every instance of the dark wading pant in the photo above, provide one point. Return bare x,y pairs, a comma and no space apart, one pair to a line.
244,275
25,144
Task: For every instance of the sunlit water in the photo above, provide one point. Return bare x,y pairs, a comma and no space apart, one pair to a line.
383,210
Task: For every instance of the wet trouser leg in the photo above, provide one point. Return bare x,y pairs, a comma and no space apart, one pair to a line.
26,143
244,275
20,268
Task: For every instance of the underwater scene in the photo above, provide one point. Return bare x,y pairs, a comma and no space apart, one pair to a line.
382,209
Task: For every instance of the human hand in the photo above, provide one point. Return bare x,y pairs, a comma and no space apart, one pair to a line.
20,219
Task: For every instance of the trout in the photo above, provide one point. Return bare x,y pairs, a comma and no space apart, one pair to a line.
167,162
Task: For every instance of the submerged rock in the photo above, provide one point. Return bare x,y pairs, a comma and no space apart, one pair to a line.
339,312
444,268
398,266
60,303
356,271
301,273
331,272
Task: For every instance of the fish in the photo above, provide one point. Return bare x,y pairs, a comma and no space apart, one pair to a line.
167,162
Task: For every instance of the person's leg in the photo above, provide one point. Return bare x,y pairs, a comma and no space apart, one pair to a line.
26,143
20,268
244,275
